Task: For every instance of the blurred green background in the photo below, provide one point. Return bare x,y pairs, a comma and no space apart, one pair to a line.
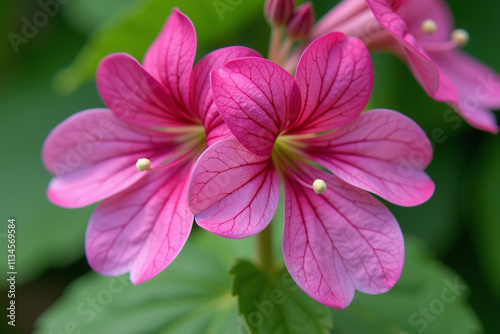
50,77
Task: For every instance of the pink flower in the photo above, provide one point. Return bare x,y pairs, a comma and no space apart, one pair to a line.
161,117
302,21
279,12
337,237
421,31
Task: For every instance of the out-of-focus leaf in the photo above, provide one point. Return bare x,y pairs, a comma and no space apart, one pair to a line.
484,186
46,235
274,304
86,15
429,298
191,296
133,29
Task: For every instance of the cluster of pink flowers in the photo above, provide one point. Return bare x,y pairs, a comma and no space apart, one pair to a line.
213,142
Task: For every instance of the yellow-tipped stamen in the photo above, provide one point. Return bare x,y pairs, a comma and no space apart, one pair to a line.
143,164
188,129
319,186
460,37
429,27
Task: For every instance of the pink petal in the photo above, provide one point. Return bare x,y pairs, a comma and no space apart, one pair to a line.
416,12
255,97
387,16
335,78
471,87
201,96
170,58
142,229
345,12
449,76
233,192
340,13
399,5
93,155
382,151
135,96
340,241
421,65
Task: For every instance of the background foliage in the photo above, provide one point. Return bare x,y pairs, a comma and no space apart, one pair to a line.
51,77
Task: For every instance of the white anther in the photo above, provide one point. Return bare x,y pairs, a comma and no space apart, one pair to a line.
429,27
319,186
143,164
460,36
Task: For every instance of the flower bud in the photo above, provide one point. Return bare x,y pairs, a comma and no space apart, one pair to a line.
279,12
302,21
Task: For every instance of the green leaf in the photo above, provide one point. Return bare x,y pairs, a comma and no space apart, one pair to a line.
46,235
191,296
134,28
429,298
86,15
484,190
275,304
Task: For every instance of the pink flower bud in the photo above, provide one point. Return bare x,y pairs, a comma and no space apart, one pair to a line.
279,12
301,23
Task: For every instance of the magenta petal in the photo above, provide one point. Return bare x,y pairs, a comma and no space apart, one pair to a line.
134,95
471,87
335,78
233,192
255,97
416,12
142,229
341,241
201,96
399,5
421,65
170,58
93,155
387,16
337,15
383,152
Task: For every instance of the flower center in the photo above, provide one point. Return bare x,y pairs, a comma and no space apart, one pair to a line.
191,143
288,155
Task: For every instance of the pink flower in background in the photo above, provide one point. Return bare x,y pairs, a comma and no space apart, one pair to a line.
279,12
421,31
337,237
302,21
161,117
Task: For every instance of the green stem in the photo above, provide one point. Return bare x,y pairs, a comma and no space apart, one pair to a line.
284,51
265,250
274,44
